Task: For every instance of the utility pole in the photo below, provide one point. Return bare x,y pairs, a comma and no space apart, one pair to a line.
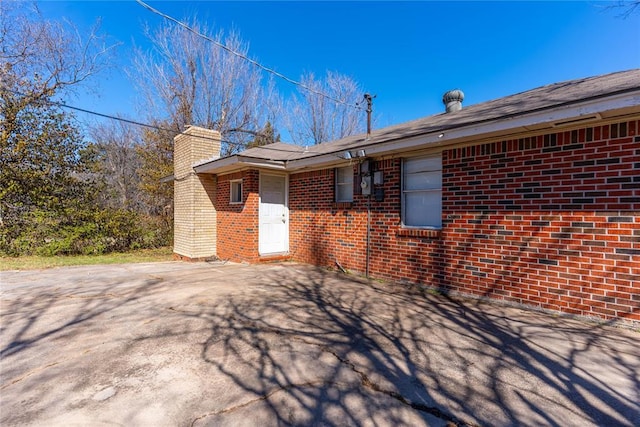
369,99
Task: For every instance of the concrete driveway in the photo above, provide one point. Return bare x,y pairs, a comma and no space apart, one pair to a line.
177,344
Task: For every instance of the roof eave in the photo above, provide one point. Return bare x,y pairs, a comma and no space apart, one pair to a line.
550,118
436,138
237,162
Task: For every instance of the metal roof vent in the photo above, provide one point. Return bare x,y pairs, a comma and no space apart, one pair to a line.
453,100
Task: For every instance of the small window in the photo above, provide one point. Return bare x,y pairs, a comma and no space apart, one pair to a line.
236,191
344,184
422,192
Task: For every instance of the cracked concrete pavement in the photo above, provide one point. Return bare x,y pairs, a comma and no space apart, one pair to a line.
208,344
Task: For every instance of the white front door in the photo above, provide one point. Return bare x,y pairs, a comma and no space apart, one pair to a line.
274,218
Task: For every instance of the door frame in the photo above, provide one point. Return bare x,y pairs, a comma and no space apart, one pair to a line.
286,211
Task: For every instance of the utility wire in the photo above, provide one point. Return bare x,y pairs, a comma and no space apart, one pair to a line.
240,55
133,122
108,116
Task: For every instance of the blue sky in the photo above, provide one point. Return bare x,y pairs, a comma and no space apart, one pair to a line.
407,53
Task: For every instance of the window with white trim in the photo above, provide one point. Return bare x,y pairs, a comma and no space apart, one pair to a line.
344,184
235,194
422,192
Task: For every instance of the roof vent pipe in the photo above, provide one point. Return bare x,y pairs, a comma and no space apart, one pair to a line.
453,100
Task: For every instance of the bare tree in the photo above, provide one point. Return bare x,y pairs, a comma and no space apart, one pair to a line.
314,118
40,59
187,80
625,7
116,162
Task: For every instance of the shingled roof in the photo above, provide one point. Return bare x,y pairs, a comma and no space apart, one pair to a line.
551,97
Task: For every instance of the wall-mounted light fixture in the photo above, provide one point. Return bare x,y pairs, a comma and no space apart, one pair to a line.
361,153
347,155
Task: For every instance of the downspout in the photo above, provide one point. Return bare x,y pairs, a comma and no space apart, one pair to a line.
368,234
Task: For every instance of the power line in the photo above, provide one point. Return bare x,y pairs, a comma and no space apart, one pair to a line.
112,117
240,55
133,122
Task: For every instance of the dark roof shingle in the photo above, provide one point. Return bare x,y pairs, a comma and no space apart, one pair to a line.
539,99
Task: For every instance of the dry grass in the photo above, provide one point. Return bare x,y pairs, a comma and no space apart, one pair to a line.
39,262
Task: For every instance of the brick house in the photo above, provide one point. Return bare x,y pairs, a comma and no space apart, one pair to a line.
532,199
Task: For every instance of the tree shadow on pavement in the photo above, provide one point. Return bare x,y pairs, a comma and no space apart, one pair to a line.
296,345
50,324
316,348
27,314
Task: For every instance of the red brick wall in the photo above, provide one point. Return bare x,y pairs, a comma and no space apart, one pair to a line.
322,231
238,223
551,221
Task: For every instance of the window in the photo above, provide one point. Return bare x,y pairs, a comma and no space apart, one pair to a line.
236,191
422,192
344,184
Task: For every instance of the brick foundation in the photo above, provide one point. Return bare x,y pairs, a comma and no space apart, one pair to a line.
178,257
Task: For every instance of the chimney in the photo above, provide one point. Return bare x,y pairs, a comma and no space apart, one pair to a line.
194,218
453,100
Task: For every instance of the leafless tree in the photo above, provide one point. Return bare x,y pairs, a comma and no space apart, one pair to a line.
116,162
314,118
187,80
40,59
625,7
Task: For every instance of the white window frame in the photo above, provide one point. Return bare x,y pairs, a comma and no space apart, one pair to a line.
428,189
237,193
348,183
